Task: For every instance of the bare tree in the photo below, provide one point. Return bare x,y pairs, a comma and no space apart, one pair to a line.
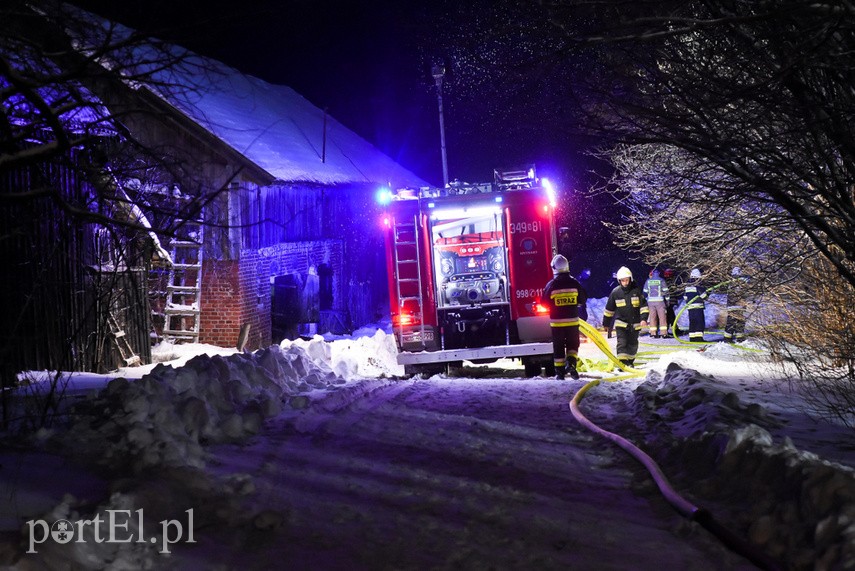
87,187
758,92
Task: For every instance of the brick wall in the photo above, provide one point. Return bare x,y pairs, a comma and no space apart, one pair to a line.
235,292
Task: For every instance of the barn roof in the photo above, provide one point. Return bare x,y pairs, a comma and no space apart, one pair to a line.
278,129
272,126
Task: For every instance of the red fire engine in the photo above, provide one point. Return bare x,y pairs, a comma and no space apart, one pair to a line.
467,265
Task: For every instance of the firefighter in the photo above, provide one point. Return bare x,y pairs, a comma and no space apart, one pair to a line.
675,295
626,310
656,291
734,327
566,299
694,296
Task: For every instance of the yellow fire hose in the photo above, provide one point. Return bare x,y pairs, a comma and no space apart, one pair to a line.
676,317
683,506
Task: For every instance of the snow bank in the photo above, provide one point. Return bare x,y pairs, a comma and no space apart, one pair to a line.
154,430
799,508
164,418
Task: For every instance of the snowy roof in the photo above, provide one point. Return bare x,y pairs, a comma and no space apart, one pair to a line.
277,128
271,125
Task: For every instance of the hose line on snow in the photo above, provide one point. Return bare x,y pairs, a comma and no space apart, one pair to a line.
685,306
683,309
682,505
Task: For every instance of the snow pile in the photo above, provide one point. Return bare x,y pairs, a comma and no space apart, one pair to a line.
801,508
164,418
373,356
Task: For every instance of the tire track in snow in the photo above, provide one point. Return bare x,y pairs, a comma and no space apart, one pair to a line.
462,473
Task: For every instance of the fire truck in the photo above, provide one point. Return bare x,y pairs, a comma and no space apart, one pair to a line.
467,264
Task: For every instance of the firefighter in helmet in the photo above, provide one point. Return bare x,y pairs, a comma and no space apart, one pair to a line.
566,300
694,296
675,283
626,310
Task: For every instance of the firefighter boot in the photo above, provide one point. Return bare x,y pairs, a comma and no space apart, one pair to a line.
559,373
571,368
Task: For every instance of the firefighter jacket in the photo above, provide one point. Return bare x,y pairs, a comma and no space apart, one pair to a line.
656,289
695,295
566,300
625,307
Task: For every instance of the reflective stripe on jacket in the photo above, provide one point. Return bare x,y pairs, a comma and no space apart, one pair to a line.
694,296
566,300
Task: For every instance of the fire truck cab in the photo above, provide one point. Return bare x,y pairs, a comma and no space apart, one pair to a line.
466,267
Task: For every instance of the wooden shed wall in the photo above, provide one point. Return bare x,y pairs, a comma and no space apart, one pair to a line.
55,301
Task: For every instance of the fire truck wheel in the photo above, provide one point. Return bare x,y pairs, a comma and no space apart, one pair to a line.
427,370
532,367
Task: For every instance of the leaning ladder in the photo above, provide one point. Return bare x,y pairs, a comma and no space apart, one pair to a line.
121,340
406,250
184,288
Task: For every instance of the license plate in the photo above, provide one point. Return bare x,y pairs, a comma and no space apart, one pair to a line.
416,336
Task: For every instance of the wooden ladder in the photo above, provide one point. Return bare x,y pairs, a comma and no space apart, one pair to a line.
130,358
184,288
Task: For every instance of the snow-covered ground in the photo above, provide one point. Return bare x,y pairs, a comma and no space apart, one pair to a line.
321,455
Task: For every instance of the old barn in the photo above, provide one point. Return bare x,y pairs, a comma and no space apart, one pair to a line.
249,217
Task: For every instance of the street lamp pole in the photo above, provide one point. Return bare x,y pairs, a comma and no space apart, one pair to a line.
438,73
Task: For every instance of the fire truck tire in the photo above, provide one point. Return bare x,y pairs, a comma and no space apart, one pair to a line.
454,369
427,370
534,366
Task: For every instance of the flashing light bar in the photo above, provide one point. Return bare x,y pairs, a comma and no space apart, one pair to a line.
384,196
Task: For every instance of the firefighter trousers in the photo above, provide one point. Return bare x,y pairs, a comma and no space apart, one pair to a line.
626,347
656,321
565,345
696,324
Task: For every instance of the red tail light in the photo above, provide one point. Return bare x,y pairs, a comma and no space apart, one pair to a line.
410,314
404,319
540,309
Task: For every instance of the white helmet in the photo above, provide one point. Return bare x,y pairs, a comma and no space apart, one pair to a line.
736,271
560,264
624,272
695,274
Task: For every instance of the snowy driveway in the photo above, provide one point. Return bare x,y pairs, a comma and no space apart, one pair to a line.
453,473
